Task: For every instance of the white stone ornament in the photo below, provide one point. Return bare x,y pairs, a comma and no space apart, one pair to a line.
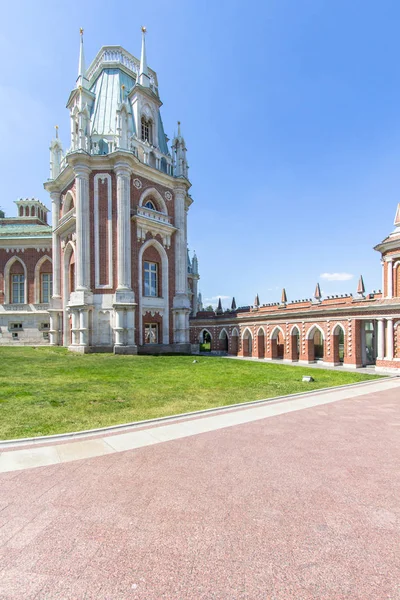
168,196
137,183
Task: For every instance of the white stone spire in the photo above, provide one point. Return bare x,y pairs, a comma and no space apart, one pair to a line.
82,81
144,78
179,155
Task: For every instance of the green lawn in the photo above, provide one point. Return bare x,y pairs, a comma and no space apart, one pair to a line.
50,390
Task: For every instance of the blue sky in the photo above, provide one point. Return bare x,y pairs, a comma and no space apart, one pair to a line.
291,114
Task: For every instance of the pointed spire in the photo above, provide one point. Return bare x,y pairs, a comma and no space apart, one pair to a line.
317,293
256,301
361,287
219,310
195,264
233,305
283,297
81,81
144,78
179,129
397,217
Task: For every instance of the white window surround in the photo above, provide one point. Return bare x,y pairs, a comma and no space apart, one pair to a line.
157,197
154,302
261,329
109,285
37,280
292,332
7,286
69,202
223,330
235,332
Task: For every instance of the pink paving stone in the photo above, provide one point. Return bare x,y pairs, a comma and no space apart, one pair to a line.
302,506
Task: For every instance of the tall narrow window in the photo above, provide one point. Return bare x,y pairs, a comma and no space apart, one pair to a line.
147,130
151,333
18,289
46,287
150,279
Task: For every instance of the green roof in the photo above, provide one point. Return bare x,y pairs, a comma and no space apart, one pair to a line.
25,230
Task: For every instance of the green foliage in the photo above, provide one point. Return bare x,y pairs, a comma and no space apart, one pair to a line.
2,214
209,308
50,390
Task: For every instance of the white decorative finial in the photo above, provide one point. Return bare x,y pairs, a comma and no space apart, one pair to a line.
56,128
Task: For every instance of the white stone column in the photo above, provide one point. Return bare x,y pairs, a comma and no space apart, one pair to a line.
130,327
75,327
83,327
54,327
56,246
389,277
389,339
181,304
123,174
381,339
383,277
82,228
180,242
119,327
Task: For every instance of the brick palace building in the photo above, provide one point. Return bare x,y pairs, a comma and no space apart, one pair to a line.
112,271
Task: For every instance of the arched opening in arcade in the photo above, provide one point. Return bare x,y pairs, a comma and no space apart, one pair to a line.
315,344
205,341
295,344
277,343
247,343
223,341
261,343
338,344
235,342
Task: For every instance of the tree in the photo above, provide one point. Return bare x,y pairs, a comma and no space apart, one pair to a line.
2,214
209,308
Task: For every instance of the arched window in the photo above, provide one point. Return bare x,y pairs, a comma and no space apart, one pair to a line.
149,204
147,130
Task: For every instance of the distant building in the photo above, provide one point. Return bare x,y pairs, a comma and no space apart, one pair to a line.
358,331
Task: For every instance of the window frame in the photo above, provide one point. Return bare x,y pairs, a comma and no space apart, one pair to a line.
49,285
151,327
20,288
150,279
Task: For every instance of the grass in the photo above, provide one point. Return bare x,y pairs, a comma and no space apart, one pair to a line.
50,390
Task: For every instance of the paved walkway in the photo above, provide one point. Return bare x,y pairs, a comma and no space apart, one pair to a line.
295,504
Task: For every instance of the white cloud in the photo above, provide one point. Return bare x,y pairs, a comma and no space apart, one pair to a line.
336,276
218,297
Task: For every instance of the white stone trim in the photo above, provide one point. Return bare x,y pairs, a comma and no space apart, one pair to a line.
201,334
263,330
67,206
154,304
7,287
37,282
235,332
244,332
220,333
109,284
153,192
315,326
295,327
273,336
338,324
